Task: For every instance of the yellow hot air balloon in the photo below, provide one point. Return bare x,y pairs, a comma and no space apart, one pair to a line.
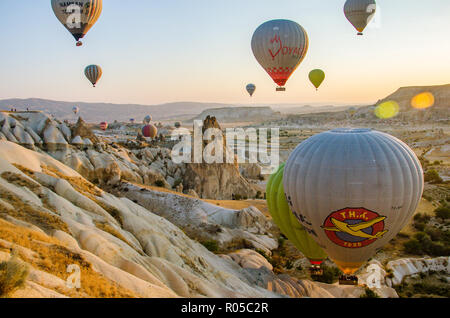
317,77
360,13
77,16
288,223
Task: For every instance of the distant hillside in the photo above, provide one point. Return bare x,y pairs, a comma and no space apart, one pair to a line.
404,95
308,109
364,115
240,114
95,112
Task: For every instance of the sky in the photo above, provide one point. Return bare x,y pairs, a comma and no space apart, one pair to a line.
155,52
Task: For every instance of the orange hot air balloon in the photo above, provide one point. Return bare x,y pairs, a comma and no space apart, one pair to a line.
280,46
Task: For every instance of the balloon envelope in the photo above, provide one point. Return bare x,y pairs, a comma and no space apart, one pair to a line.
280,46
149,131
147,119
251,88
317,77
103,125
360,13
78,17
75,110
287,222
93,73
354,189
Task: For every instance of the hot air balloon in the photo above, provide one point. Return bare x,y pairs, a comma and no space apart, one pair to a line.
360,13
75,110
149,131
147,119
280,46
103,125
251,88
77,16
177,124
353,190
93,73
132,120
317,77
288,223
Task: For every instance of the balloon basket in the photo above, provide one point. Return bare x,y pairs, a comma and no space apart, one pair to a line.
316,270
281,89
79,43
348,280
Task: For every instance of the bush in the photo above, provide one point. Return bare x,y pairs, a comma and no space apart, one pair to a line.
369,294
13,275
432,176
159,183
212,246
330,275
443,212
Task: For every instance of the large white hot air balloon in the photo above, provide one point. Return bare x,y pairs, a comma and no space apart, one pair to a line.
280,46
78,17
353,190
360,13
93,73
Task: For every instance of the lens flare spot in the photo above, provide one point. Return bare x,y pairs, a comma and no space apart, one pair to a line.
423,100
387,110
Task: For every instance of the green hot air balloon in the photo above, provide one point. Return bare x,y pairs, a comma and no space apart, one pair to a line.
288,223
317,77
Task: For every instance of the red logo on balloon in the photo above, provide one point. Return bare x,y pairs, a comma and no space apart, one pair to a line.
354,227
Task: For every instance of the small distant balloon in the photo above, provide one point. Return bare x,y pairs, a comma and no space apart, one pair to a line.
103,125
423,100
387,110
177,124
317,77
251,88
75,110
147,119
93,73
132,120
359,13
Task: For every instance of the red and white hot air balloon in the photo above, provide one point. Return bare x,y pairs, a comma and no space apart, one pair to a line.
149,131
103,125
280,46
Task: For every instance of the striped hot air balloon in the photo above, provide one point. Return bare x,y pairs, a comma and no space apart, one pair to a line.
353,190
149,131
103,125
360,13
93,73
280,46
77,16
251,88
